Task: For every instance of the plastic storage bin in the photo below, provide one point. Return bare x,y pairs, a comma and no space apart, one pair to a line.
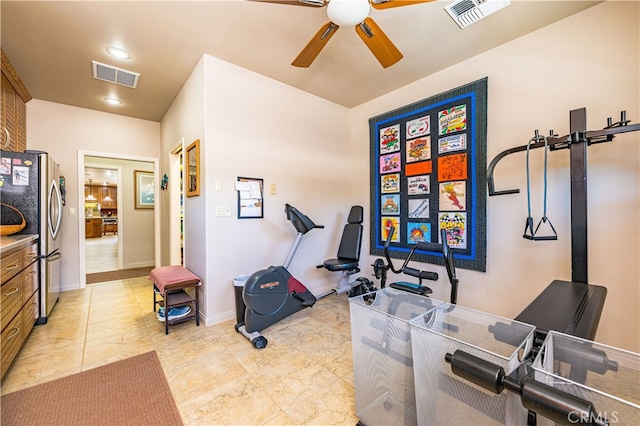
382,358
238,286
608,377
443,398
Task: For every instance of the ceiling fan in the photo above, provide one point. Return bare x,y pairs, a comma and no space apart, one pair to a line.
350,13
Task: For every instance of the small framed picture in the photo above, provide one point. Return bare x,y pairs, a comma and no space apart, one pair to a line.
144,184
193,169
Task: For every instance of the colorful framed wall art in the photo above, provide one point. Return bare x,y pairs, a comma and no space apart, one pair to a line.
429,172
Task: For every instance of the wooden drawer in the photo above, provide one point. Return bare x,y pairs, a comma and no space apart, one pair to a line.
29,255
30,281
11,265
10,300
30,314
12,338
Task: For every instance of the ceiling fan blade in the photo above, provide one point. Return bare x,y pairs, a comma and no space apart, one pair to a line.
310,3
315,45
386,4
377,41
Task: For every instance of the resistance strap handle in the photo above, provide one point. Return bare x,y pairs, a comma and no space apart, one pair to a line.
529,232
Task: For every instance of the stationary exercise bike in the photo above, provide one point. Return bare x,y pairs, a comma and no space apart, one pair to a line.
380,269
272,294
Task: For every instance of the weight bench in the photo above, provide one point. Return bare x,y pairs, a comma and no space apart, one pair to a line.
171,282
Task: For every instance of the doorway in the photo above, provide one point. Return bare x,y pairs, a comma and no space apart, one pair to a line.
136,245
101,217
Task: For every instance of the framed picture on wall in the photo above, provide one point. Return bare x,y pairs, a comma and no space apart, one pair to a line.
250,197
144,185
193,169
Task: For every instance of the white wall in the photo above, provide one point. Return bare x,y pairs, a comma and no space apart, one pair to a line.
588,60
257,127
62,131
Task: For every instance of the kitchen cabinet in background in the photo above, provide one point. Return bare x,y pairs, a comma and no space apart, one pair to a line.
93,227
108,197
101,193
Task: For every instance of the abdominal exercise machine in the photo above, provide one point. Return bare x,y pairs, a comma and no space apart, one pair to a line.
273,294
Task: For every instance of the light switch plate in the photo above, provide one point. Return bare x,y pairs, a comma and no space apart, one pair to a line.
223,211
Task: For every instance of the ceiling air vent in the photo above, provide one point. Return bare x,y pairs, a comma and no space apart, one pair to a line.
467,12
115,75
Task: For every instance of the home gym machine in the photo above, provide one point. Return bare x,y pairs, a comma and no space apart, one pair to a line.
272,294
569,307
380,269
348,257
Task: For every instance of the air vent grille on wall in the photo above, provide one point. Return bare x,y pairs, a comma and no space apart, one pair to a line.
467,12
115,75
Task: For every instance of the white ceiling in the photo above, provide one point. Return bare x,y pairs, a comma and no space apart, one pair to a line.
51,45
100,176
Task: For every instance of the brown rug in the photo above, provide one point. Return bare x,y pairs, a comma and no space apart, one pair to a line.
133,391
120,274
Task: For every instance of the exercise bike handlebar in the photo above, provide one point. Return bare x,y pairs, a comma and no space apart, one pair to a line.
299,221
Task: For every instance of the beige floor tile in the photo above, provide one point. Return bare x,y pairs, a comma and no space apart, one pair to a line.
176,349
115,326
239,402
43,367
201,375
116,347
331,405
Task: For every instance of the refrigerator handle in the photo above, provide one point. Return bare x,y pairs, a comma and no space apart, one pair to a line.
54,255
53,189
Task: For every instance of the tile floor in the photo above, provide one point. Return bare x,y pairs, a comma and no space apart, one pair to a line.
101,254
303,376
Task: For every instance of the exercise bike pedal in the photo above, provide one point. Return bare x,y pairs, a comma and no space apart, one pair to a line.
411,288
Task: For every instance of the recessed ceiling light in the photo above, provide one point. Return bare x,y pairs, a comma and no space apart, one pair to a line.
118,53
113,101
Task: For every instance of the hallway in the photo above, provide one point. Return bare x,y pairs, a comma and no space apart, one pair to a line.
101,254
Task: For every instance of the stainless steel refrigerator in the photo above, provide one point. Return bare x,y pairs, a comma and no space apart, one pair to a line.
31,184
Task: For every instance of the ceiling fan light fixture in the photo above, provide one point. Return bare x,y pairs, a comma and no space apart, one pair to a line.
348,12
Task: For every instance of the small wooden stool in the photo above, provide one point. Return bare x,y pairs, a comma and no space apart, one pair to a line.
170,282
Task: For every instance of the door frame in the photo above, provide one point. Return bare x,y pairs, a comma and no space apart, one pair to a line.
82,266
175,192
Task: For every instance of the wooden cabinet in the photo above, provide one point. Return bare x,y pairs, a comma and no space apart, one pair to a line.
92,227
20,300
14,97
107,196
92,190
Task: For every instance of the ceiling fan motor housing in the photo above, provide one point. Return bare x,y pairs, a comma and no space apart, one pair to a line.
348,12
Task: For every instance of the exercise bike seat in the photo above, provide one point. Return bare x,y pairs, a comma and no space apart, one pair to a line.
350,243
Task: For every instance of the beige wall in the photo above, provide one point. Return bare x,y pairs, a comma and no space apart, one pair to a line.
533,84
257,127
64,130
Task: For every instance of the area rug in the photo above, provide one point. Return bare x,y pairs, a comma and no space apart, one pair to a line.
120,274
133,391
